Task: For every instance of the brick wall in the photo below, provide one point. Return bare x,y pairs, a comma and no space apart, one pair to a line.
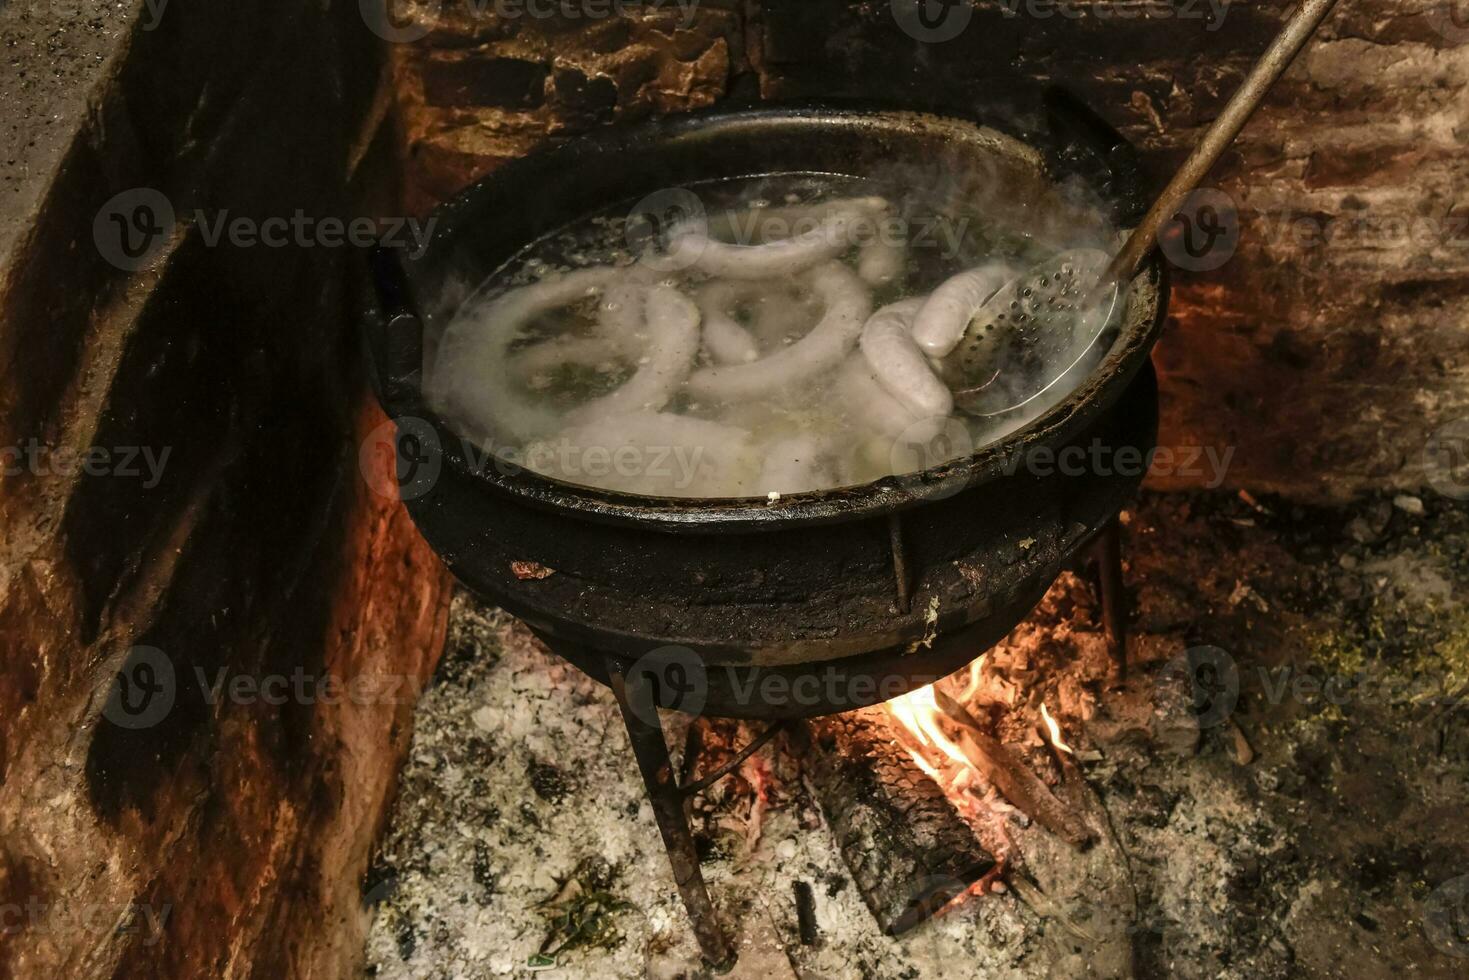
1324,353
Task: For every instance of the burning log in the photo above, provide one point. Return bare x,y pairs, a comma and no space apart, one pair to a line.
1012,777
907,847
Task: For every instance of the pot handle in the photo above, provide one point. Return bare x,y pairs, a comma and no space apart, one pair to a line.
394,334
1084,143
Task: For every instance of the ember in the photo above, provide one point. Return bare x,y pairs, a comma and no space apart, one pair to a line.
673,602
919,713
971,760
733,608
782,360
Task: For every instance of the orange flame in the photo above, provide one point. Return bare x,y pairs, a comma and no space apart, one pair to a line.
918,711
975,680
1055,731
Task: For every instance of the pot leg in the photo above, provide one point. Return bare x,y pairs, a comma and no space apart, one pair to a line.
651,750
1108,552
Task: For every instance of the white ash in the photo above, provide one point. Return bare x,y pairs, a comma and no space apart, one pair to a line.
475,847
1314,859
471,863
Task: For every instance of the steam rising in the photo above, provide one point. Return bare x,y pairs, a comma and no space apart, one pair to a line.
720,352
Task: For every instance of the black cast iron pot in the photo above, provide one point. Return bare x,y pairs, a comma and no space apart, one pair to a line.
820,601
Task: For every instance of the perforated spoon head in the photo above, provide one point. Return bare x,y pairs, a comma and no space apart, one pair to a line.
1030,334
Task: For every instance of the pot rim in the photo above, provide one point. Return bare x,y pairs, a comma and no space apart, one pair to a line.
1147,296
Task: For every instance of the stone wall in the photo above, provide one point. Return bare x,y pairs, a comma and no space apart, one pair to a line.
187,529
1324,353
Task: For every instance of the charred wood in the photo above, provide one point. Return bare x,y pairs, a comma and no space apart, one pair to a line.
907,848
806,912
1012,777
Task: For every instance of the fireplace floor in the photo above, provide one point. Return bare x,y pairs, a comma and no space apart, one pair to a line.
1315,858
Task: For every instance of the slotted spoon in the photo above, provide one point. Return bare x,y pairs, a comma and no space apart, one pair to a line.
1037,331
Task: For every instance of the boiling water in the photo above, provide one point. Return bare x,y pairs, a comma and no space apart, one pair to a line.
819,429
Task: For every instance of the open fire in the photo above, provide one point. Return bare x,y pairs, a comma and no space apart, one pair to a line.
1053,731
920,721
876,562
985,779
918,714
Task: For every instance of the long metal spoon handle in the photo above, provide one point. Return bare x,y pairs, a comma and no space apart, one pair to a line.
1220,134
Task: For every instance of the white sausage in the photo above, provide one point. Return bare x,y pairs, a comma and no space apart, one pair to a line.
622,329
621,312
847,305
724,338
940,323
673,328
899,364
621,334
880,262
471,381
657,453
693,247
591,351
869,402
